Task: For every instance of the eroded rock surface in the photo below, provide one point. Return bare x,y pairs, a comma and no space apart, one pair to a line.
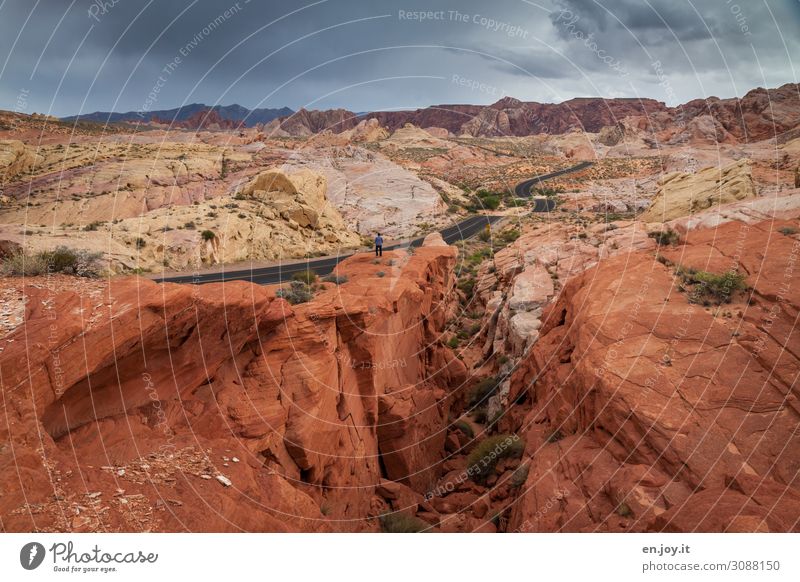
642,411
223,408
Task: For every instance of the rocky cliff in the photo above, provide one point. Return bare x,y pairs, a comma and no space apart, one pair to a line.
223,408
657,400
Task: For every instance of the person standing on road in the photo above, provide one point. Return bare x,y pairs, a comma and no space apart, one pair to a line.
379,245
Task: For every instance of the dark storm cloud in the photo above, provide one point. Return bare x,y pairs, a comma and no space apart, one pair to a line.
63,56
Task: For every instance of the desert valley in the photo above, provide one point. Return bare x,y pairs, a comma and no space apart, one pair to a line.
616,352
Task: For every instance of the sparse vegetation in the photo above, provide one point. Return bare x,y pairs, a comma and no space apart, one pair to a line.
624,510
481,392
336,279
208,235
93,225
464,427
710,288
380,274
61,260
453,342
297,292
140,243
190,225
308,277
401,523
665,238
788,230
484,457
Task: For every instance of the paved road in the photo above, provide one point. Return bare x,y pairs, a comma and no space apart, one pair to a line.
465,229
269,275
523,189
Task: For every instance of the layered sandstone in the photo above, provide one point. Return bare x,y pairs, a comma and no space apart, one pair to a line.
682,194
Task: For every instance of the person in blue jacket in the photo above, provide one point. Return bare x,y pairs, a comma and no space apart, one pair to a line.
379,245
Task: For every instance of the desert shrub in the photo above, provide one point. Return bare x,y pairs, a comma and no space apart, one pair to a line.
93,225
665,238
484,457
21,263
519,476
401,523
624,510
788,230
380,274
208,235
509,236
140,243
60,260
464,427
474,329
663,260
308,277
453,342
481,392
555,436
337,279
190,225
467,286
710,288
479,415
298,292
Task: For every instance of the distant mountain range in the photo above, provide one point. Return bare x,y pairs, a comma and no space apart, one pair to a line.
759,114
233,112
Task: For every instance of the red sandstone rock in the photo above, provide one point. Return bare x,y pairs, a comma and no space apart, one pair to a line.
669,415
155,398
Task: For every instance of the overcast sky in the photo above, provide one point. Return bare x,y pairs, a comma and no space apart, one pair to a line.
68,56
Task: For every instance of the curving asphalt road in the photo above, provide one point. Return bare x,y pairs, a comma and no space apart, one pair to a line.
523,189
463,230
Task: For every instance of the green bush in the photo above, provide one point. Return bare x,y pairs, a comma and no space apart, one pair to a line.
337,279
710,288
60,260
491,202
298,292
481,392
484,457
464,427
190,225
788,230
467,286
509,236
453,342
208,235
140,243
665,238
380,274
308,277
401,523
